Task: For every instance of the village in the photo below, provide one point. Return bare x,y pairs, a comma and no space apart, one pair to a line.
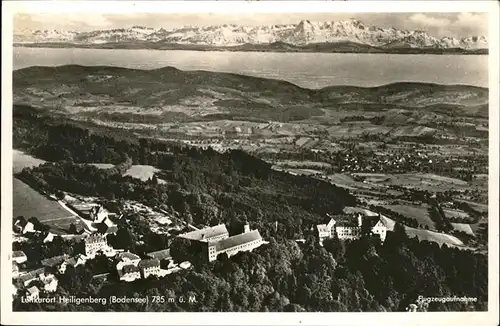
33,280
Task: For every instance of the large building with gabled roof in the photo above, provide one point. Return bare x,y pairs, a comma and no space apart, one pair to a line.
210,234
246,241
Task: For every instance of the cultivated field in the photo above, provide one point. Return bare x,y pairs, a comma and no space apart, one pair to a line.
27,202
143,172
429,182
439,238
463,228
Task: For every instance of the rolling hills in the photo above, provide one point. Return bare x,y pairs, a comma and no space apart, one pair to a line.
168,95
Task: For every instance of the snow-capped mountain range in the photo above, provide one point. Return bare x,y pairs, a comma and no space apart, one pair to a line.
303,33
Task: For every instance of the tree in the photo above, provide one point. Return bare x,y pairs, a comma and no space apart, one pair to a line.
124,239
181,249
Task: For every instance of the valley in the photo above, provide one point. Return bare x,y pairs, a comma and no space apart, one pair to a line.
393,146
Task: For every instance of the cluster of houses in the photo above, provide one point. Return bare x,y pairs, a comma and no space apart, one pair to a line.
352,227
45,276
129,267
215,240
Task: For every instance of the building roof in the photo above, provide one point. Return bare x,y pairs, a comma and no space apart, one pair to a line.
322,228
127,256
347,221
53,261
33,290
74,260
207,233
371,221
97,209
129,269
146,263
112,229
31,275
237,240
18,253
160,254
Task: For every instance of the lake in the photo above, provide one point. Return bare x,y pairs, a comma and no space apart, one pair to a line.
310,70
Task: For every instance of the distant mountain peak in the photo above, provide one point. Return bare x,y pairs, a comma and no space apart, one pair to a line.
302,33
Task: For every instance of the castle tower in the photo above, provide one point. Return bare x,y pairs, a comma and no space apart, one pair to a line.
246,228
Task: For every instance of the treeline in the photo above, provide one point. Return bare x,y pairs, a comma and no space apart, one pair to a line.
352,276
438,216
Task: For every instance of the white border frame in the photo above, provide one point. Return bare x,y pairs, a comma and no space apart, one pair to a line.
110,318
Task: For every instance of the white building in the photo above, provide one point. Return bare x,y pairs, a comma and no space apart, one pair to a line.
326,231
95,243
352,227
149,267
246,241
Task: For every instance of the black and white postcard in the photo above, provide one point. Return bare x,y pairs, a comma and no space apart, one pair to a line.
278,163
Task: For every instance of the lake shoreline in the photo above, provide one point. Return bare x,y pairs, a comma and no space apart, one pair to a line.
252,48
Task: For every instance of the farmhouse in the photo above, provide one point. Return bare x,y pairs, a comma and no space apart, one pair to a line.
210,234
246,241
149,267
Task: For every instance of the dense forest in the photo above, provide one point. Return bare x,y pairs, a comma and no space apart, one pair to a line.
361,275
209,186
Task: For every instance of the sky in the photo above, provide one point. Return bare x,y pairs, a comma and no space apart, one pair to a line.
457,25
